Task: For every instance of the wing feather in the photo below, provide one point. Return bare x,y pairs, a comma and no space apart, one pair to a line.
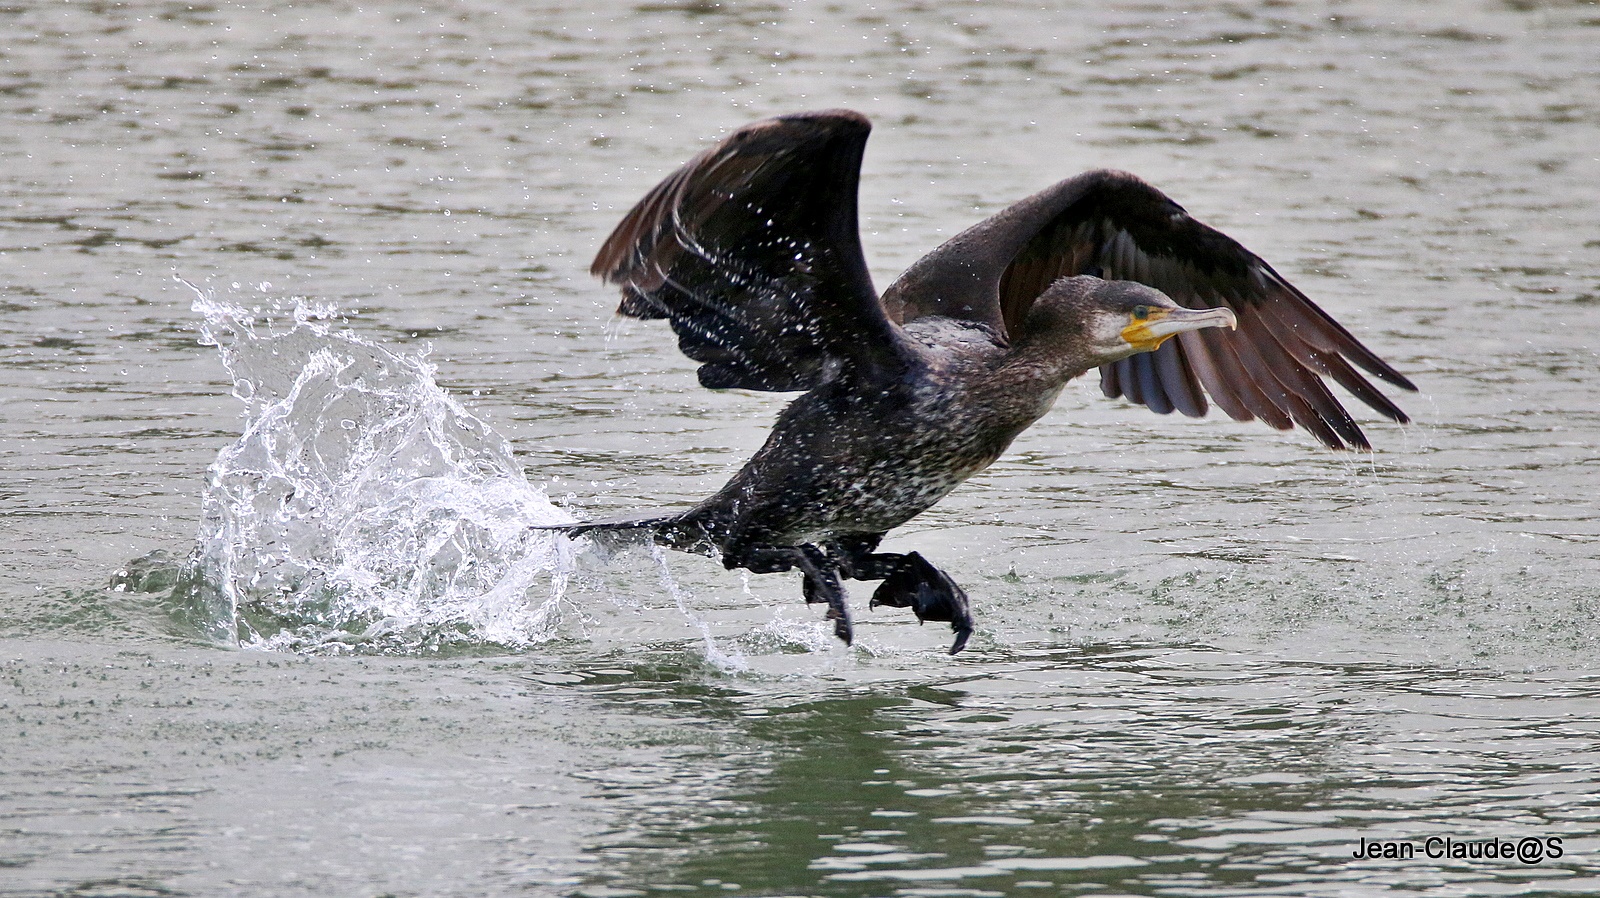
751,251
1113,225
1176,374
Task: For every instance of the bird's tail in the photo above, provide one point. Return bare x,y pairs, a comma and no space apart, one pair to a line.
670,530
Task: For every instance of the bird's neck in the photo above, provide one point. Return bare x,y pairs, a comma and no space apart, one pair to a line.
1043,362
1021,385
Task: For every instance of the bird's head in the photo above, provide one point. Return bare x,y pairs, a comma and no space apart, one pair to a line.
1103,321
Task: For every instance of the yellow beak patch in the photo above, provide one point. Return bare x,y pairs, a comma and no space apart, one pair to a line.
1159,325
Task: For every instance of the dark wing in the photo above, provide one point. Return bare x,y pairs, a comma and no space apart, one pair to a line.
1115,226
751,249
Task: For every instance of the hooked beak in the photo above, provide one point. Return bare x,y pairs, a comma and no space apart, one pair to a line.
1162,324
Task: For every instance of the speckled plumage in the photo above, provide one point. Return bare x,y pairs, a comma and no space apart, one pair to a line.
751,252
864,458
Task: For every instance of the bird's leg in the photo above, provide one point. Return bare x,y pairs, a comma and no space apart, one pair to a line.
820,582
856,559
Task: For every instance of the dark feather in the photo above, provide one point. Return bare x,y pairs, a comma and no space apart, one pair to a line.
1118,227
751,250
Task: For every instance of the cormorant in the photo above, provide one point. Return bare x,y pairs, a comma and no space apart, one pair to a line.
752,254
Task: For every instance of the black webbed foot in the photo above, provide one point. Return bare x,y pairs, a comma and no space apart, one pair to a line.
821,585
930,594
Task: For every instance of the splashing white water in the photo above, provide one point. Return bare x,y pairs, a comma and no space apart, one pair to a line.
714,653
363,506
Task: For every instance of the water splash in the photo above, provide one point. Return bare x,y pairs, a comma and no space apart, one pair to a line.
363,507
715,655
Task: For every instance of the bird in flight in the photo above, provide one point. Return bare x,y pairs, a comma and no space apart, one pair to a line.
752,254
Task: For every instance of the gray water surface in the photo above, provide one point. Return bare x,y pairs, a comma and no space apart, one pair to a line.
1211,658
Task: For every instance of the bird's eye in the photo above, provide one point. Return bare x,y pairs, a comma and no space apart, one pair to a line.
1140,313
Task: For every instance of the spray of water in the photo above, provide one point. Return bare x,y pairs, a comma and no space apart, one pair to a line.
714,654
363,507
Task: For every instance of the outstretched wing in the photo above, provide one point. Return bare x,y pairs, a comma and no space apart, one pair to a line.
751,250
1115,226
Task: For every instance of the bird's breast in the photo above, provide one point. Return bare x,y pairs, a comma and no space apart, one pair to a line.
900,462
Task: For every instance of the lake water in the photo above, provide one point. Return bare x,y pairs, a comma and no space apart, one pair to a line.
296,338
